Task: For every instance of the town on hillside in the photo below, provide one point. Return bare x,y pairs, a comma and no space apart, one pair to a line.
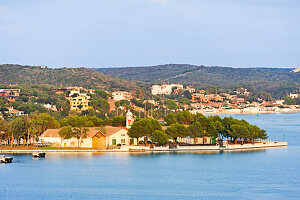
168,114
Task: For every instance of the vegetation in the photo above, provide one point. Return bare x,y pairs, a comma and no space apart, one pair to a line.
276,81
84,77
184,124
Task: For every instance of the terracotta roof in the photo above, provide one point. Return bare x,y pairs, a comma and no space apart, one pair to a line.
50,133
110,130
92,131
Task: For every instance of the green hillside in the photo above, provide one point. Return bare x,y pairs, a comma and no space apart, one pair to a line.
273,80
17,74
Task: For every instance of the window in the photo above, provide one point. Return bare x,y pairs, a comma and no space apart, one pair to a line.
122,141
114,141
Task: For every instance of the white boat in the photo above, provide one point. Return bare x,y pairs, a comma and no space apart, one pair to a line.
4,159
39,154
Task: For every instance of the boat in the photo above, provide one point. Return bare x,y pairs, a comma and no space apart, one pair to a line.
4,159
39,154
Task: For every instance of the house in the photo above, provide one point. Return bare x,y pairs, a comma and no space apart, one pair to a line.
10,94
294,96
13,112
121,95
190,89
50,107
79,103
112,105
165,89
96,138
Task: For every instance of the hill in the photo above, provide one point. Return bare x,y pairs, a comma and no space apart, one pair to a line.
17,74
274,80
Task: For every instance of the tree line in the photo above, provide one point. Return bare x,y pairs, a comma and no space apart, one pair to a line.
184,124
29,128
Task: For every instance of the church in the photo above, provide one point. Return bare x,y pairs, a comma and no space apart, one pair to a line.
107,137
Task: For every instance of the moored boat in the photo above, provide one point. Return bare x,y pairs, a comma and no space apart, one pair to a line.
4,159
39,154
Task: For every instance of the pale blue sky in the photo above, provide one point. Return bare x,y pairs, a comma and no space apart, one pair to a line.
113,33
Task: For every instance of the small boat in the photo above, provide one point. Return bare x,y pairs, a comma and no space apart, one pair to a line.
4,159
39,155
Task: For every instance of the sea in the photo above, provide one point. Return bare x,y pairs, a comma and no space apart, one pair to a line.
261,174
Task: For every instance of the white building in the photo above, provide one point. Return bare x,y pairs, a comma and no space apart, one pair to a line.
50,107
96,138
129,119
13,112
121,95
164,89
293,96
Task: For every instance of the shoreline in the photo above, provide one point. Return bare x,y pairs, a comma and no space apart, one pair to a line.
240,112
145,149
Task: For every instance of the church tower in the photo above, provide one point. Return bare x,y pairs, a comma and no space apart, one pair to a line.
129,119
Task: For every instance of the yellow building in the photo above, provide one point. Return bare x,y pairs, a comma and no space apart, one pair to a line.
77,101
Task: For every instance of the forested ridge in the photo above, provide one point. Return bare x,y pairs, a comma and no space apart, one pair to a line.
277,81
84,77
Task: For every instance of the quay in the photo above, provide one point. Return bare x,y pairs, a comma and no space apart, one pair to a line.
177,148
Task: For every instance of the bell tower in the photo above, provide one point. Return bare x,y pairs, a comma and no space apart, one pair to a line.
129,119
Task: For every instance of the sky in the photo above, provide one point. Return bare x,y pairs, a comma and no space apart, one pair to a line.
121,33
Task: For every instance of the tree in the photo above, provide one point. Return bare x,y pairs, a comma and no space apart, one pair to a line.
4,128
119,121
144,127
75,95
43,121
101,94
184,117
160,137
101,105
66,132
289,101
170,118
80,106
79,124
172,105
19,128
196,130
187,94
177,130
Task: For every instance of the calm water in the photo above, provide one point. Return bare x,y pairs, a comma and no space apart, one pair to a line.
265,174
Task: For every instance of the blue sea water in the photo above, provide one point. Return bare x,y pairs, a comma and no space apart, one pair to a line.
262,174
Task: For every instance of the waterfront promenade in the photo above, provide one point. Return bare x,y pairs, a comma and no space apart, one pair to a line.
231,147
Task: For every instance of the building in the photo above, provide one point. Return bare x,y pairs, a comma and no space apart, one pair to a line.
96,138
294,95
50,107
165,89
112,105
13,112
238,100
121,95
190,89
79,101
10,94
129,119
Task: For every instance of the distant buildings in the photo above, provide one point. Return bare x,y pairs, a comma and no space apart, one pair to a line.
196,97
10,94
294,95
50,107
13,112
165,89
296,70
121,95
79,103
